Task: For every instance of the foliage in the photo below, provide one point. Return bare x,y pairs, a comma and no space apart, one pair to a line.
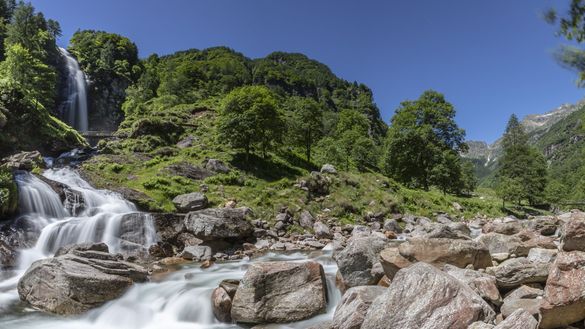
8,193
304,122
510,189
424,138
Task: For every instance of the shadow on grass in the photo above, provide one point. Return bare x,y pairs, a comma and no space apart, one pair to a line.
523,212
265,169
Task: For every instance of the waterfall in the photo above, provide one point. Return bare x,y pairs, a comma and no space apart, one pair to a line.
74,109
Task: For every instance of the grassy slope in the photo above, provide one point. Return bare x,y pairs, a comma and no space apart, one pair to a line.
265,185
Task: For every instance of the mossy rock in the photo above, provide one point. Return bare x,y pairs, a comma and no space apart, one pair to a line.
8,194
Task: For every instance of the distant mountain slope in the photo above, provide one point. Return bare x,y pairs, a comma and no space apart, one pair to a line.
554,133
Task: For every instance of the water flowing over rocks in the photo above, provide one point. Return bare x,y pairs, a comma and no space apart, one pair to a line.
76,279
277,292
422,296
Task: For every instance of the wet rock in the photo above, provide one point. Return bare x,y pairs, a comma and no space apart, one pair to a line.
8,256
196,253
78,279
518,271
564,293
219,223
424,297
439,252
352,309
190,202
276,292
483,284
356,262
520,319
526,298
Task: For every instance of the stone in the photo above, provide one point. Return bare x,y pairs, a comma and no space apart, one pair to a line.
520,319
187,170
439,252
421,296
573,235
23,161
392,261
277,292
196,253
509,228
515,272
221,305
321,230
392,225
524,297
77,280
480,325
541,255
219,223
306,220
8,256
190,202
356,262
500,243
216,166
328,169
564,293
483,284
354,304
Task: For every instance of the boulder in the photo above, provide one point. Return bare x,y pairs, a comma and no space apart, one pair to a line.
525,297
78,279
515,272
499,243
483,284
23,161
306,220
544,225
392,225
480,325
219,223
356,262
354,304
439,252
392,261
541,255
520,319
196,253
8,256
573,234
564,293
424,297
328,169
502,227
216,166
321,230
221,300
190,202
276,292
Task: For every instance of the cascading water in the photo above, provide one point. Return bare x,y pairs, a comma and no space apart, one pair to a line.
74,109
181,300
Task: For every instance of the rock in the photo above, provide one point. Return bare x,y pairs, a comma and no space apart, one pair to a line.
328,169
356,262
190,202
306,220
185,169
445,231
23,161
187,142
525,297
219,223
573,235
457,206
439,252
216,166
480,325
8,256
196,253
318,184
564,293
518,271
520,319
545,225
276,292
500,243
77,280
506,228
424,297
392,261
322,325
483,284
321,230
392,225
352,308
541,255
221,304
500,257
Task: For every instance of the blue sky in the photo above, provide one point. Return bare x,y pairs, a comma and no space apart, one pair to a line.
489,58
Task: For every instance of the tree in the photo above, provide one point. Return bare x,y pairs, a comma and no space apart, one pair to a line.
351,133
249,117
522,163
304,123
420,132
510,189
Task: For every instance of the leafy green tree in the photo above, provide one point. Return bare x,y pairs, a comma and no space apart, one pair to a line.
250,118
469,177
522,163
510,189
555,192
420,133
447,174
351,132
304,123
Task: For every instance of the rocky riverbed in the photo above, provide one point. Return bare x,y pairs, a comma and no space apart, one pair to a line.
90,255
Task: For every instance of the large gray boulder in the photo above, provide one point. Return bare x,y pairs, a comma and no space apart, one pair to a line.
78,279
219,223
424,297
573,234
483,284
356,262
277,292
354,305
518,271
500,243
439,252
525,297
520,319
190,202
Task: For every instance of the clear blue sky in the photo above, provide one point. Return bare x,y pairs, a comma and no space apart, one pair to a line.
490,58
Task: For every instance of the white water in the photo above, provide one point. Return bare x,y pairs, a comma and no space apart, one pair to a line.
74,109
181,300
